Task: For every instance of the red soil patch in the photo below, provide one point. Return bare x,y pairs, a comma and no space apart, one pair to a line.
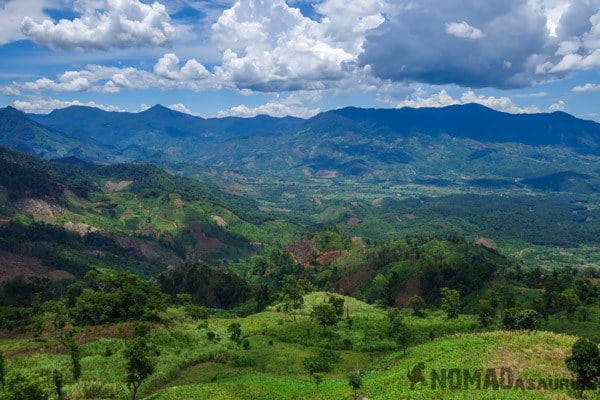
138,248
412,288
303,251
205,245
353,221
330,256
410,217
349,283
14,265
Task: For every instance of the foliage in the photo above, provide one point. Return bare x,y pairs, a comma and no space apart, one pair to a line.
323,361
141,362
417,304
584,362
325,315
451,302
26,386
519,318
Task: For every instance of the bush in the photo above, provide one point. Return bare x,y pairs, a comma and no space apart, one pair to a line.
26,386
521,318
98,390
241,360
321,362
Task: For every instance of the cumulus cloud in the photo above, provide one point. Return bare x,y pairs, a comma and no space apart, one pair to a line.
443,99
270,46
168,67
166,74
509,35
104,24
463,30
588,87
292,105
12,13
579,39
180,108
45,106
558,106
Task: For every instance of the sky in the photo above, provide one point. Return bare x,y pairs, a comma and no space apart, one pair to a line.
300,57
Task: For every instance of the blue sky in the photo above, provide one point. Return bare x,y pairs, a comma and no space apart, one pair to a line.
300,57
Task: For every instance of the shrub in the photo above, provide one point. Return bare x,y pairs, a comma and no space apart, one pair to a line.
241,360
26,386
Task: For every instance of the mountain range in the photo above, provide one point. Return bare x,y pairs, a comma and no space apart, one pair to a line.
457,145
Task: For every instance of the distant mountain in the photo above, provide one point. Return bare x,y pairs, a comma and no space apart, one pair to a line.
472,121
468,145
19,132
156,123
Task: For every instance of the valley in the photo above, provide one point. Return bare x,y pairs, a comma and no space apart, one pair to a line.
322,258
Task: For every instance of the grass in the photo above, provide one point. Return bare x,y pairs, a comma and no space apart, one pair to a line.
191,366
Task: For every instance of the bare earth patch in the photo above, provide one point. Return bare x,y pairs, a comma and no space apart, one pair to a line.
111,187
327,173
14,265
79,228
486,242
219,221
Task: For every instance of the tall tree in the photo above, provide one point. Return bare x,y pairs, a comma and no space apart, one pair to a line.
451,302
141,363
584,362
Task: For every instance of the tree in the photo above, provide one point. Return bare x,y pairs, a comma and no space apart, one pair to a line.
26,386
337,302
262,295
521,318
291,294
141,363
325,314
2,369
451,302
69,342
400,331
566,302
355,382
584,362
235,331
485,312
417,304
57,378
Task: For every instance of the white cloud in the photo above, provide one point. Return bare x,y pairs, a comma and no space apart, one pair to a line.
45,106
75,84
105,24
168,67
463,30
558,106
105,79
588,87
580,52
269,46
292,105
443,99
10,90
12,13
178,107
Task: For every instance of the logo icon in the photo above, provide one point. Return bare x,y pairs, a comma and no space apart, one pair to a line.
416,375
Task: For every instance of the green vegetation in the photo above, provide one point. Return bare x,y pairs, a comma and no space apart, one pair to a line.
126,282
